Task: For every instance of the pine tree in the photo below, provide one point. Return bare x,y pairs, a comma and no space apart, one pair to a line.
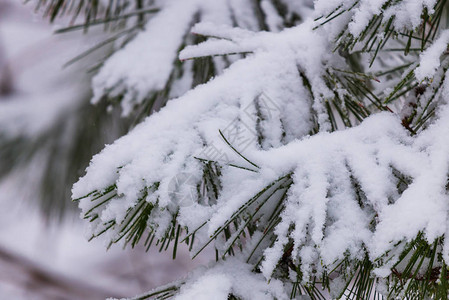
304,142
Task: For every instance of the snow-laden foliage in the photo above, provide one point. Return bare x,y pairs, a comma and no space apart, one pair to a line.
146,64
404,14
233,277
253,160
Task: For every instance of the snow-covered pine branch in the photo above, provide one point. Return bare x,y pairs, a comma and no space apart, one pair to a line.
147,64
305,203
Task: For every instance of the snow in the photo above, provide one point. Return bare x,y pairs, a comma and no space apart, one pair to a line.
231,276
245,16
363,14
323,188
429,184
274,21
406,14
350,193
225,97
430,58
33,246
150,65
146,64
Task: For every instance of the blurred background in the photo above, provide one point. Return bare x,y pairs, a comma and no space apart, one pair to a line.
48,133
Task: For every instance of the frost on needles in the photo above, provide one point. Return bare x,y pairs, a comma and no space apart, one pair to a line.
341,186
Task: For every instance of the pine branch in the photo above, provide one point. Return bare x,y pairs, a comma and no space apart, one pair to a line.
285,216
